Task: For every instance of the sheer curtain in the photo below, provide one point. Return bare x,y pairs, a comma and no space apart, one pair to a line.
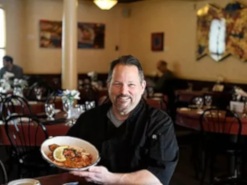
2,35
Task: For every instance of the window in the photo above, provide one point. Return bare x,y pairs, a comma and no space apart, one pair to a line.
2,35
217,38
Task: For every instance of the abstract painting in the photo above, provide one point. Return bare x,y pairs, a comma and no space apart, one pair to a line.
222,32
50,34
91,35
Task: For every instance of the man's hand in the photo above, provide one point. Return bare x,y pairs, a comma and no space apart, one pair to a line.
96,174
100,175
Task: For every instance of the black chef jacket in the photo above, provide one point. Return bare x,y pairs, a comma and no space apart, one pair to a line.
146,140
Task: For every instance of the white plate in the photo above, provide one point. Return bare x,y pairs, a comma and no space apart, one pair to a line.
57,111
184,109
158,95
73,142
24,182
32,102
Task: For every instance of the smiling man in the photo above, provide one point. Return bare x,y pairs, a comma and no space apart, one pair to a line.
137,143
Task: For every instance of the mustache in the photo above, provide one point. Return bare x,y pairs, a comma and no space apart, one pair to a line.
123,96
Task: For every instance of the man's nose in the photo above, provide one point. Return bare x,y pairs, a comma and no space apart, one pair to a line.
124,89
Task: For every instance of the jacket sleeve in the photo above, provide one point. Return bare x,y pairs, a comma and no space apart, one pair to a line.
163,149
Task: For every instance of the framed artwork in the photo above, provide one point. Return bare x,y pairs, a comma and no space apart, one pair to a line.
221,32
50,34
157,41
91,35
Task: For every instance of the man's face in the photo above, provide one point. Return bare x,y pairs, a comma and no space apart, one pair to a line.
161,68
125,88
5,63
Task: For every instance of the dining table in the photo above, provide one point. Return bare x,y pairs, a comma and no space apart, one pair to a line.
62,179
190,118
57,127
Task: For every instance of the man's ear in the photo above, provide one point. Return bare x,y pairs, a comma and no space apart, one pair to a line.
144,83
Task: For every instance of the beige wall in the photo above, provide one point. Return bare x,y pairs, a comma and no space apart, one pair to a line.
14,13
23,32
177,19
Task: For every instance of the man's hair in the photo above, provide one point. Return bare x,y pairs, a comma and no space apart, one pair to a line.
163,63
126,60
8,59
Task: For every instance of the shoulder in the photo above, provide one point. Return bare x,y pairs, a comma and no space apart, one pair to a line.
158,120
2,69
17,67
95,113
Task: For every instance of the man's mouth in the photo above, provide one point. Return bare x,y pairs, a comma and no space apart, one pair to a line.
123,98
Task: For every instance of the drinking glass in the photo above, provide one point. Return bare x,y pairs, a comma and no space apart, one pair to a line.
208,100
66,106
92,104
150,91
88,105
38,93
50,110
80,108
199,102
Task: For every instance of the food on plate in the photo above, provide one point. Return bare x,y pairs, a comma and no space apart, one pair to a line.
70,157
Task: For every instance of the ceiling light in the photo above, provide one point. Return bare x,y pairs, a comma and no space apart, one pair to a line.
105,4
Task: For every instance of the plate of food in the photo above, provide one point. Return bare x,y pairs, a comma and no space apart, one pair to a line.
70,153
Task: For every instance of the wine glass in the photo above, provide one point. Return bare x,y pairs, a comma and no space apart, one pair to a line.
66,106
38,93
92,104
150,91
80,108
208,100
199,102
50,110
88,105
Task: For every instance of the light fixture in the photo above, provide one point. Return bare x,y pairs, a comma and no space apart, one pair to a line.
105,4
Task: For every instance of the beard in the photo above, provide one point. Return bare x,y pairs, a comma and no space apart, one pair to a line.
123,104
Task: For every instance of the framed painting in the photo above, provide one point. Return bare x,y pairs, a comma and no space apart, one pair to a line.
157,41
50,34
91,35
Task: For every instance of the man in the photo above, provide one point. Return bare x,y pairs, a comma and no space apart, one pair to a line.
9,67
136,142
164,83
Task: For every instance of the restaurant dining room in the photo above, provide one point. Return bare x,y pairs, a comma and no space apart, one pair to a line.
123,92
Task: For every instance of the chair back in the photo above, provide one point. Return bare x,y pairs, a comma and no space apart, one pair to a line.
103,100
157,103
220,128
46,89
25,133
88,93
15,104
2,99
3,174
221,121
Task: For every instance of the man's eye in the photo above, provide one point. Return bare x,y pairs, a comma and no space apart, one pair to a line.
116,84
132,85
